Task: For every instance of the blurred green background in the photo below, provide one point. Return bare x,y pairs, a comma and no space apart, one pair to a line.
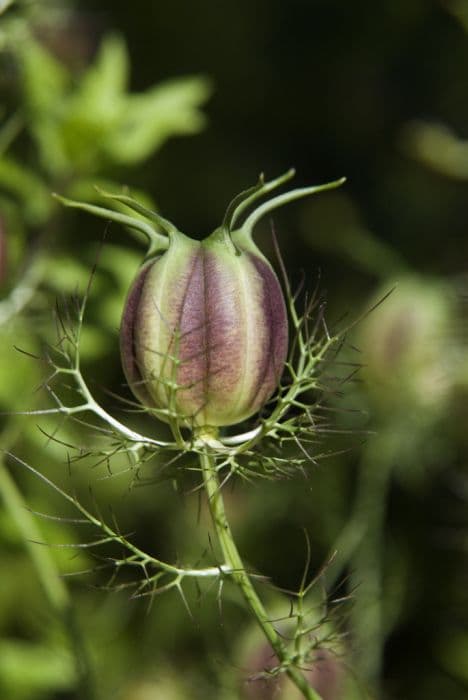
186,103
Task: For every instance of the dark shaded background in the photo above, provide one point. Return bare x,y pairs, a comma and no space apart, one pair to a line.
316,85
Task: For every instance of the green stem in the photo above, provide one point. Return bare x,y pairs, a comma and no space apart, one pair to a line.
361,546
367,577
53,586
241,578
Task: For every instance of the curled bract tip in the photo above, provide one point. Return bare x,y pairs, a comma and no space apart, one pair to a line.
159,231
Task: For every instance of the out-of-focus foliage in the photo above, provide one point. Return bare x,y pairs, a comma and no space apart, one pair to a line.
377,92
438,147
84,125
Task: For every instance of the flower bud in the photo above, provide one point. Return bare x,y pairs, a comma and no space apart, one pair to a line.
204,331
410,346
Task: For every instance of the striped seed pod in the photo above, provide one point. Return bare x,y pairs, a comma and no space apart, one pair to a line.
204,331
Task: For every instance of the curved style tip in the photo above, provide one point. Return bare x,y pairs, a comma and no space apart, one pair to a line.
271,204
156,240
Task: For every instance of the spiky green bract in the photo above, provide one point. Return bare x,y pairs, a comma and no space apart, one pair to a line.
281,443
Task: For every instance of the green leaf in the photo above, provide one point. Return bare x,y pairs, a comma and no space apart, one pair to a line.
12,221
52,151
149,119
28,188
45,83
104,84
66,274
44,79
27,667
10,130
81,131
95,108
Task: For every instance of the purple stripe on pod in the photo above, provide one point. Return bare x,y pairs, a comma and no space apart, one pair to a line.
158,330
233,338
275,349
193,343
128,348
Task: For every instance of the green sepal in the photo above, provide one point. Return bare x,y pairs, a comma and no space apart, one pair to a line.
236,203
157,241
246,230
128,201
245,199
221,235
240,203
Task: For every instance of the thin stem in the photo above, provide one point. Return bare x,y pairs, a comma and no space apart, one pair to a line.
137,554
92,405
241,577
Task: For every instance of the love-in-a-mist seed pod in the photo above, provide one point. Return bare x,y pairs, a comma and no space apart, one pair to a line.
204,333
205,330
